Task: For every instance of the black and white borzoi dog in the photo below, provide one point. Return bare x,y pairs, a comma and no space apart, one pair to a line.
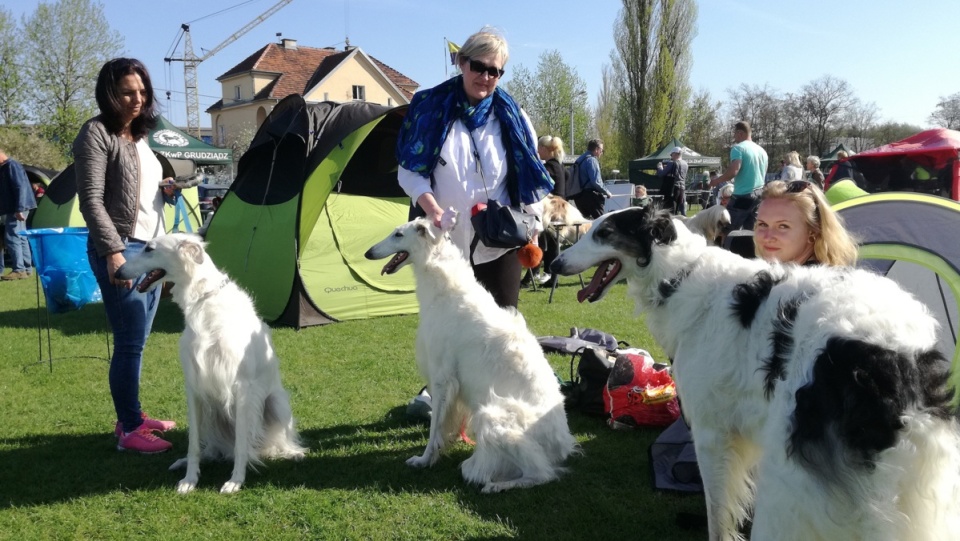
814,394
236,405
483,368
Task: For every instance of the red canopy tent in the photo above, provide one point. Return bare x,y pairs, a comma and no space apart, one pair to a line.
926,163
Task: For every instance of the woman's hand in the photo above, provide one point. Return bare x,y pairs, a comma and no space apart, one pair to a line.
168,187
114,262
429,205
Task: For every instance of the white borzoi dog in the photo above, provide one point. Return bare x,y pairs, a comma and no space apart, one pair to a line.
483,368
815,394
708,222
236,405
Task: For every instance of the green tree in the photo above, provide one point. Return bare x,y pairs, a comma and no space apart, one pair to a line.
12,95
608,128
65,45
705,131
30,148
652,58
548,96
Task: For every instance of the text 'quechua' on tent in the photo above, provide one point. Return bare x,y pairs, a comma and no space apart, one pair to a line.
316,189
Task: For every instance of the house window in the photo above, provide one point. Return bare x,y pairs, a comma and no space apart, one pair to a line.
236,92
359,93
222,134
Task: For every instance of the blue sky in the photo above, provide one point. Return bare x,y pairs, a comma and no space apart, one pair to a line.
902,56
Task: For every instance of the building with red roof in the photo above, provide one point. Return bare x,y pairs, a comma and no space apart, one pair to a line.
252,88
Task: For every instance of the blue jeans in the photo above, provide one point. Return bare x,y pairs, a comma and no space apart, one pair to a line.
131,316
18,245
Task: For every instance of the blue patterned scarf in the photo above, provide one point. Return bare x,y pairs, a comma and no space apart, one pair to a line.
430,115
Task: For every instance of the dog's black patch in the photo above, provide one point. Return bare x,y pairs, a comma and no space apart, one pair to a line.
748,296
934,377
668,287
852,408
782,338
635,231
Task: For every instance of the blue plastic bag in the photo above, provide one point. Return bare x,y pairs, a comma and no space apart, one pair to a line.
60,259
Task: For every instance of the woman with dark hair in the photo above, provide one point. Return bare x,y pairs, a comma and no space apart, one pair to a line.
119,185
465,141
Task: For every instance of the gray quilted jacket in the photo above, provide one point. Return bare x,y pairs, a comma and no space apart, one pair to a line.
108,185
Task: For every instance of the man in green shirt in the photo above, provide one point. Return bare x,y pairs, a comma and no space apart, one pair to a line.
747,169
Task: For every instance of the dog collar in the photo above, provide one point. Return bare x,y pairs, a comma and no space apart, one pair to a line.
214,291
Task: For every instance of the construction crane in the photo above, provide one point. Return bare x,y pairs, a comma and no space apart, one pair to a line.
190,62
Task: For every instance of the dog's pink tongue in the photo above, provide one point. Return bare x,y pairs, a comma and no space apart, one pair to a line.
587,293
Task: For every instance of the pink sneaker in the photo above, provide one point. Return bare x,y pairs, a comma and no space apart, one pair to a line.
148,423
143,440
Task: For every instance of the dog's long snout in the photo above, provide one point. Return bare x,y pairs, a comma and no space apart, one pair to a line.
369,254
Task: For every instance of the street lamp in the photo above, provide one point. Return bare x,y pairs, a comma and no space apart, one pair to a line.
572,98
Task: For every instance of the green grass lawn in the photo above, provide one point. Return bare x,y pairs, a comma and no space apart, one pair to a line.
61,476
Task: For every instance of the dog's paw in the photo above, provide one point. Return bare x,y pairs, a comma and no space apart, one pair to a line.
230,487
492,488
186,486
418,462
182,463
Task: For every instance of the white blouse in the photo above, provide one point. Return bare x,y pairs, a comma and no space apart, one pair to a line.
460,184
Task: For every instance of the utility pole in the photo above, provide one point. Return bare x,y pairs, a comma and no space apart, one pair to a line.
191,60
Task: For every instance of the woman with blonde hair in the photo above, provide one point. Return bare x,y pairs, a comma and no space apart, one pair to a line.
795,224
791,167
466,141
550,150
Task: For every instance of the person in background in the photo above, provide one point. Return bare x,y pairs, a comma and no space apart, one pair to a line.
119,187
16,202
791,167
592,196
725,194
550,150
465,141
640,197
795,224
674,174
747,168
814,174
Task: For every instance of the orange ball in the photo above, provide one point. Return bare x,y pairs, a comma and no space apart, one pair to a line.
530,256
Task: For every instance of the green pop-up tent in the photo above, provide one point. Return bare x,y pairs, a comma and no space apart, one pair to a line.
693,158
316,189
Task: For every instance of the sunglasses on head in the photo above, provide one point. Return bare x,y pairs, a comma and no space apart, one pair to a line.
477,66
797,186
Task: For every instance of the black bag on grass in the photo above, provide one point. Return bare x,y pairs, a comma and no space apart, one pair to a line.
584,391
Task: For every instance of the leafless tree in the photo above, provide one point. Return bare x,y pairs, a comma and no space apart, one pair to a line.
860,121
826,102
947,113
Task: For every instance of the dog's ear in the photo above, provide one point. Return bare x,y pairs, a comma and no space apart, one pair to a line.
425,229
662,228
191,251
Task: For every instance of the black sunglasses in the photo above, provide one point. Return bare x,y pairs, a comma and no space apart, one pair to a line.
797,186
479,67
